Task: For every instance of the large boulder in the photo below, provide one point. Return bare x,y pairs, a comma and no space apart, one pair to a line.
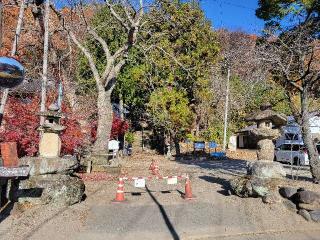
57,189
307,197
43,166
253,187
242,187
266,169
287,192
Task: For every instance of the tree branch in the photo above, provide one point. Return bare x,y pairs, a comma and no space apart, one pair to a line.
117,16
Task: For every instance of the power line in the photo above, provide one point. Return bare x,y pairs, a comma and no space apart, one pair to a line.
233,4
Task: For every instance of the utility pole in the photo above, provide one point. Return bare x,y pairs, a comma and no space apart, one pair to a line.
45,61
1,26
226,108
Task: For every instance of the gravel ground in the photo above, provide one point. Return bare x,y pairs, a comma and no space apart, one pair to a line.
161,213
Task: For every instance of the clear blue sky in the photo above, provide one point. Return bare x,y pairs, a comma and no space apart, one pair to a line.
233,14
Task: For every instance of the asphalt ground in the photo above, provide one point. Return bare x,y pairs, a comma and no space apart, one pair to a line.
159,212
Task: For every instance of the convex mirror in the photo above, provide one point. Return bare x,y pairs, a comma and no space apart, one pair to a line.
11,72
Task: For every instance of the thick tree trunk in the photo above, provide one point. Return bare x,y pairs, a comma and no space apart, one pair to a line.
176,143
307,137
105,118
177,146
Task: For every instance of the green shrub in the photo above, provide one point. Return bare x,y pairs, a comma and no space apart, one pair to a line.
129,136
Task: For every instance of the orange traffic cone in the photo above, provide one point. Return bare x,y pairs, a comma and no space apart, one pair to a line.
188,192
120,192
154,168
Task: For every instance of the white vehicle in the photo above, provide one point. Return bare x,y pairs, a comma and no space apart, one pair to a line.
292,153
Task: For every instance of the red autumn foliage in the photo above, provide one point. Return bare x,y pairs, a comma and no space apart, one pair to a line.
20,125
21,122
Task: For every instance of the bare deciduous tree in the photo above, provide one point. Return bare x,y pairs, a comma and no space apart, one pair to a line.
293,59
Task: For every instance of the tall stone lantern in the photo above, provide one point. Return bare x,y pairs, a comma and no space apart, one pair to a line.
269,123
262,175
50,142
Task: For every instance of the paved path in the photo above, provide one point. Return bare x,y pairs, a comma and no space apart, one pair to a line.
159,212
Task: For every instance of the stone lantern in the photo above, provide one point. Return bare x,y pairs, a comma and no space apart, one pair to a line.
262,179
50,142
269,123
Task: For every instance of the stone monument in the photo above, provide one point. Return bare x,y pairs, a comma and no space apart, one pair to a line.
51,179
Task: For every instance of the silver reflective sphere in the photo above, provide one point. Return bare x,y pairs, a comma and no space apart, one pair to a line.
11,72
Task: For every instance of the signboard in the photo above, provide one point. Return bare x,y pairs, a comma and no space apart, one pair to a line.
172,181
140,183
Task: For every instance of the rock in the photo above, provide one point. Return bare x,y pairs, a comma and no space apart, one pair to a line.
315,215
42,166
289,205
56,188
252,187
241,187
305,214
306,197
287,192
64,191
266,169
260,190
271,198
265,150
310,207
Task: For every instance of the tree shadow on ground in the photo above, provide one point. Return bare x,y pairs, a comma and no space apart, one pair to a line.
5,211
166,219
237,167
299,172
225,184
234,167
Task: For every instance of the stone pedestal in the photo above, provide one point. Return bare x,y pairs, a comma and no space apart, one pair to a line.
57,165
50,181
266,169
99,159
51,189
50,145
265,150
100,163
